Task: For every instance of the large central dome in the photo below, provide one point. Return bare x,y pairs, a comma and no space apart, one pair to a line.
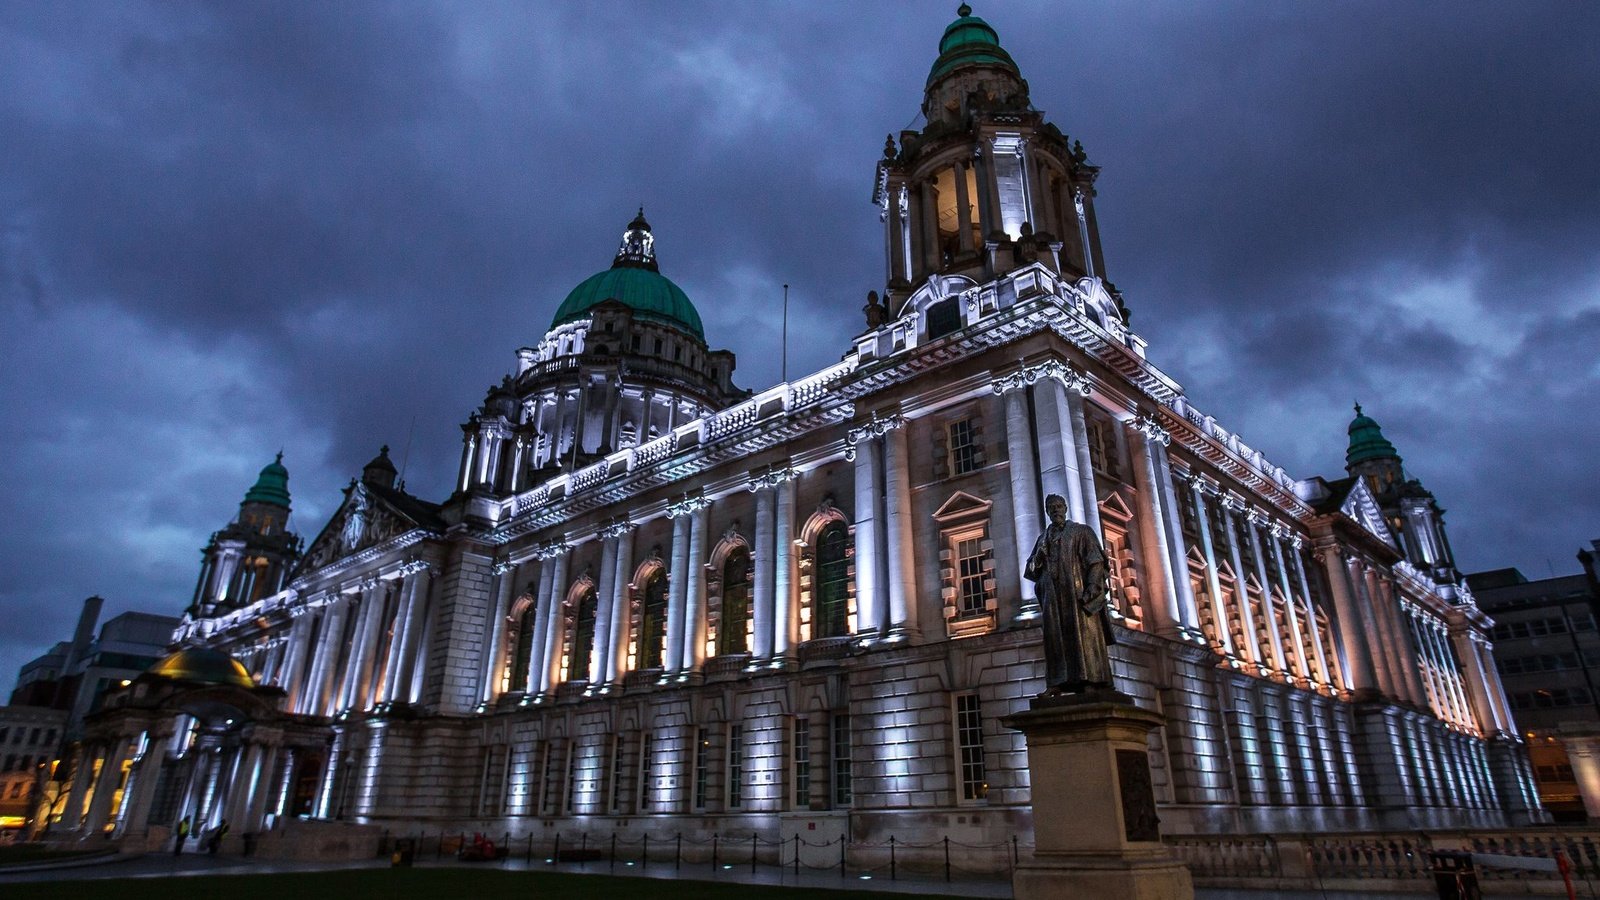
634,281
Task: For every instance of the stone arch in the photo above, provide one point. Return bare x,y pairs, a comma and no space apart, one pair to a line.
581,589
826,518
639,595
728,549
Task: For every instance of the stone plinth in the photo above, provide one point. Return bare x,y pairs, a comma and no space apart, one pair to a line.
1096,834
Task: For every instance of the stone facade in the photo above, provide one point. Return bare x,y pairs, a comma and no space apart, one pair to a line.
698,610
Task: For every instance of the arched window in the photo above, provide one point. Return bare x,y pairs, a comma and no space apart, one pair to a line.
583,636
521,650
653,621
943,318
731,631
832,582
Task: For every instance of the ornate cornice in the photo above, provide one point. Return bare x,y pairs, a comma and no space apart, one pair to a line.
691,503
1069,377
771,478
551,550
877,427
616,529
1150,429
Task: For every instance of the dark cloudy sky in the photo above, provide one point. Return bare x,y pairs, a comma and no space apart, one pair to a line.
233,227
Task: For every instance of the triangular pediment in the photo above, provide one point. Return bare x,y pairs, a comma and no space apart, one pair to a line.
365,519
1117,507
962,505
1362,507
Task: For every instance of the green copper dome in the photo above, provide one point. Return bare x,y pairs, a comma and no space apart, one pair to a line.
1367,441
272,486
970,41
634,281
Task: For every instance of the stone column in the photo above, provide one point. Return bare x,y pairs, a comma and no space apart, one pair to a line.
1324,673
319,692
896,231
869,481
350,679
1352,633
919,235
494,639
930,227
105,786
1303,655
1396,646
786,629
605,597
617,644
988,186
393,663
83,769
1080,439
1160,590
762,556
963,207
1058,454
416,672
1232,505
262,789
141,790
544,601
293,676
554,621
899,562
1255,522
694,602
1025,505
1199,487
677,589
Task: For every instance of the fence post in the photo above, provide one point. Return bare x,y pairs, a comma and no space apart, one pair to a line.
529,858
583,849
947,857
797,856
891,858
438,850
841,857
714,848
555,855
613,851
752,852
677,855
644,855
1013,853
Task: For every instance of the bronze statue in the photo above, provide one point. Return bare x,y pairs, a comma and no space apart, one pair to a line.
1069,568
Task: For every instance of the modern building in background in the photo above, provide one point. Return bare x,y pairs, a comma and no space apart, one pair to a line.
656,603
1547,649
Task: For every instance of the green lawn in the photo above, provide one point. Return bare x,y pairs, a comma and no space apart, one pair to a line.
399,884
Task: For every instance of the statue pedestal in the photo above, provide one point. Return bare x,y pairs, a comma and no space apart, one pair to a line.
1094,812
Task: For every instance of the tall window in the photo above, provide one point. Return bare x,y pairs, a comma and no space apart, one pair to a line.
802,762
570,783
969,748
702,766
653,621
964,449
731,636
841,760
647,769
521,651
832,592
583,636
615,804
735,765
971,574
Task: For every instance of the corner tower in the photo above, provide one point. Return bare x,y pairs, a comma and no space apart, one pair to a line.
252,557
1410,509
987,185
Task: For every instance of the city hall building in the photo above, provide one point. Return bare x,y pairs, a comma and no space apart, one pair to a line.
656,603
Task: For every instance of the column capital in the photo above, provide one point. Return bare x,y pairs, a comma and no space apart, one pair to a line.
1023,376
876,427
616,528
502,567
1151,429
551,549
1234,503
771,478
690,503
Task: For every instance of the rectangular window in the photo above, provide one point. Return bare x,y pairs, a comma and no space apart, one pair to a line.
841,760
964,457
702,767
542,771
616,773
570,783
735,765
802,762
647,769
970,574
969,748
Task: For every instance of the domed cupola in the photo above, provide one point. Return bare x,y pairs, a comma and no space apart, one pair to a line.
1367,441
250,558
970,41
635,281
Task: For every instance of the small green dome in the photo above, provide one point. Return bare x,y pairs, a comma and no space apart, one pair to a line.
970,41
272,486
1367,441
634,281
203,665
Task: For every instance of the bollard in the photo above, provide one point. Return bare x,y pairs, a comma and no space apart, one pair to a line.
713,852
644,855
555,855
891,858
583,850
752,853
677,855
613,851
529,858
797,856
947,857
841,858
1013,853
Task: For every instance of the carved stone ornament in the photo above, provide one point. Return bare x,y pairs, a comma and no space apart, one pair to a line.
616,529
1069,377
771,478
552,549
877,427
689,504
1151,429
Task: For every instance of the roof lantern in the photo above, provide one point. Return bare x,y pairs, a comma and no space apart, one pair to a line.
272,486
